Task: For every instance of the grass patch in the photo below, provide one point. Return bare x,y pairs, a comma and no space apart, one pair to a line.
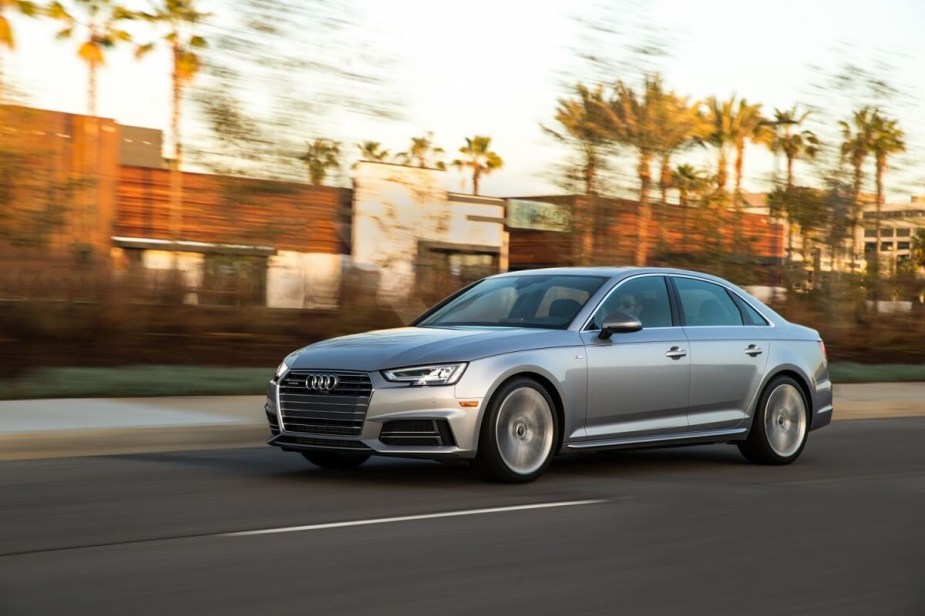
150,381
851,372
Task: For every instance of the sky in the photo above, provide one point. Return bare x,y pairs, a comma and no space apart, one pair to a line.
497,68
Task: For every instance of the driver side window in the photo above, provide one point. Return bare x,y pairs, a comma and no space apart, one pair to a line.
646,298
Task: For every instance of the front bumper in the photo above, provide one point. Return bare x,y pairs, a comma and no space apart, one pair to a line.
400,420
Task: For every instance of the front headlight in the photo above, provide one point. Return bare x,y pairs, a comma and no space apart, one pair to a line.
442,374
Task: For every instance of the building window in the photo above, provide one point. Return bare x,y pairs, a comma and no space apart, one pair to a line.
886,232
902,246
233,280
903,232
441,270
870,233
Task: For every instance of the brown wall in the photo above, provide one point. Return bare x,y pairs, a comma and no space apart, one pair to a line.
673,230
59,172
228,210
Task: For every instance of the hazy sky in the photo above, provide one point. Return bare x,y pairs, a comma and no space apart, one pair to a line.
497,67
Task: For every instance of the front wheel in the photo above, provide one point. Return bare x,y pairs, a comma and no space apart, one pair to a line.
780,425
333,459
518,433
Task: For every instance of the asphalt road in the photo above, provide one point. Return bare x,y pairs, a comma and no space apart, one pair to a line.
680,531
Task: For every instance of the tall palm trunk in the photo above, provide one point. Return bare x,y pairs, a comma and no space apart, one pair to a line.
739,164
722,175
664,181
645,211
476,173
176,180
787,211
587,216
880,170
856,208
683,202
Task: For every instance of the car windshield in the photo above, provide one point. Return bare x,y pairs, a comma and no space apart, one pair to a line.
529,300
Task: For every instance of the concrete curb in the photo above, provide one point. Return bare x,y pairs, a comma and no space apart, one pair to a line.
73,443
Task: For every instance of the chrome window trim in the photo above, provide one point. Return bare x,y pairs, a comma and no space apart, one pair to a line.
768,322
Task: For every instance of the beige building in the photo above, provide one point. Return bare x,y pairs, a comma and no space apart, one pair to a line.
898,226
411,233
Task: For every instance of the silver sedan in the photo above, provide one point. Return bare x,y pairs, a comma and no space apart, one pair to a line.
519,367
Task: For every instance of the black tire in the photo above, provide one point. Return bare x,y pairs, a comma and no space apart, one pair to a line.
780,425
519,433
335,460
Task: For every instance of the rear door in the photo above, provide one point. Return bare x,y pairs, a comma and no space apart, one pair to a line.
729,348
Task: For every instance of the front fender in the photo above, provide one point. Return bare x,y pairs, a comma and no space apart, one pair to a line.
565,368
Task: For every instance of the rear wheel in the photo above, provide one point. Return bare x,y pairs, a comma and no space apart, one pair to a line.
333,459
518,433
780,425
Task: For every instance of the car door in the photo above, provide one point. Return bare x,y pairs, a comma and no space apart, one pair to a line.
729,348
639,382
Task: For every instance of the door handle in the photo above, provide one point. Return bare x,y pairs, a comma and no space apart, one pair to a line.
753,350
676,353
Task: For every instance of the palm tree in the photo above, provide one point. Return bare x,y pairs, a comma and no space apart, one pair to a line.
423,153
321,156
178,18
479,158
683,125
721,117
581,122
886,139
7,38
793,145
634,120
750,126
100,24
734,122
372,151
581,119
855,147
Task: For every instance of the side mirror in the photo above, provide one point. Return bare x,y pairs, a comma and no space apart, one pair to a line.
619,323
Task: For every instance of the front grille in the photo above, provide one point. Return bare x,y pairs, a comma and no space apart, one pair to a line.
417,433
340,411
271,419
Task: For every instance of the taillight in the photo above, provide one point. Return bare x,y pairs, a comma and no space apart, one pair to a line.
822,348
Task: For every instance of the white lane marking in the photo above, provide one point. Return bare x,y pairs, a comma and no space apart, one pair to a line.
407,518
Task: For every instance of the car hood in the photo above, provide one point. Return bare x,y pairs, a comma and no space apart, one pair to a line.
409,346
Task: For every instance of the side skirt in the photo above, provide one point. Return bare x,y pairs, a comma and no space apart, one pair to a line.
665,440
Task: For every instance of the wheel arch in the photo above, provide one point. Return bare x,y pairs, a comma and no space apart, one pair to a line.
800,379
546,383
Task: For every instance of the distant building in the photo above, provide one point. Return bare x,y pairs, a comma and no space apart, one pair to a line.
899,223
290,244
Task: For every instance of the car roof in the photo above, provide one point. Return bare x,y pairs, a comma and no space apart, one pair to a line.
610,271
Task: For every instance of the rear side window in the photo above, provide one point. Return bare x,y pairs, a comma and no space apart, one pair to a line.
751,316
706,304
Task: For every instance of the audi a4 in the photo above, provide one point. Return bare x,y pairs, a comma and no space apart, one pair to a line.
519,367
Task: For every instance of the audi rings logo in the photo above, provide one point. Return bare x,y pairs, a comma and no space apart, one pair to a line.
321,382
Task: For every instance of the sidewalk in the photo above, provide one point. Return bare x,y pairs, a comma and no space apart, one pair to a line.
32,429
